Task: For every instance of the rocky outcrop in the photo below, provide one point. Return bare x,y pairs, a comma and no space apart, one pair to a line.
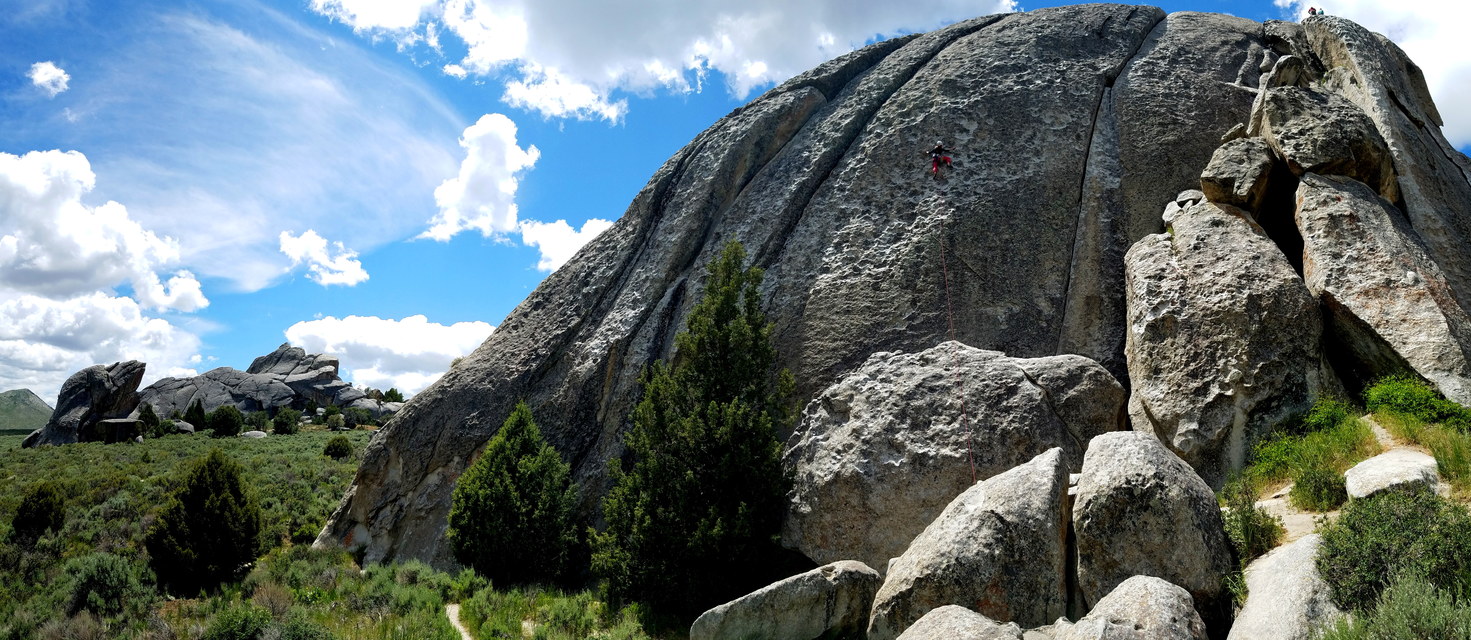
1140,510
957,622
1238,174
1400,469
1072,126
1286,598
1317,132
880,453
286,377
999,548
831,601
89,396
1224,339
1389,305
1140,608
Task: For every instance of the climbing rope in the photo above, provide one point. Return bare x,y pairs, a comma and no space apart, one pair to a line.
955,347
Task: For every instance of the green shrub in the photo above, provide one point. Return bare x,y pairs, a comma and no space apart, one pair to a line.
511,516
42,508
258,420
1318,489
147,416
354,416
243,621
286,422
208,531
393,395
1326,413
336,421
1412,396
105,584
1327,437
226,421
195,415
1411,608
338,447
1250,528
1393,532
690,522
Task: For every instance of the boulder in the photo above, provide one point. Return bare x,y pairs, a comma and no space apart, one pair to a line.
253,434
1403,469
1316,132
1223,338
89,396
1286,598
113,430
1389,305
286,377
181,426
1140,608
880,453
1000,548
1239,173
1140,510
954,622
830,601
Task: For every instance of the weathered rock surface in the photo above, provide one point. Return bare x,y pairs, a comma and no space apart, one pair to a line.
253,434
1057,174
1393,469
1323,133
1238,173
999,548
89,396
831,601
1389,305
1223,338
1140,510
1286,598
880,453
286,377
1140,608
953,622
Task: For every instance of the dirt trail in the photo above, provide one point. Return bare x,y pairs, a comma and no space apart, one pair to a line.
453,611
1299,523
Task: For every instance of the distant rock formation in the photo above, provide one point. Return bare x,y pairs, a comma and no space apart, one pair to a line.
21,409
286,377
87,398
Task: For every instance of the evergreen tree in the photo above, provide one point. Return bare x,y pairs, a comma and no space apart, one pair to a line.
286,422
691,522
209,529
511,517
195,414
226,421
393,395
41,508
147,416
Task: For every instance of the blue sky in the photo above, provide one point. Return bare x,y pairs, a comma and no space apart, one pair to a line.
193,183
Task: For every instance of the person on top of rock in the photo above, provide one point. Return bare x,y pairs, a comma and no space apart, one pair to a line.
1312,11
937,155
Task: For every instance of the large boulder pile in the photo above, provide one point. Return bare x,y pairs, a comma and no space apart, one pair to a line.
87,398
286,377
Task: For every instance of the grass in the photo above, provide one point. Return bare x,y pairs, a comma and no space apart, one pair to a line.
1411,608
1411,410
1312,452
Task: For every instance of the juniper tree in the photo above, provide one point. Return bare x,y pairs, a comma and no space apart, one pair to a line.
209,529
693,515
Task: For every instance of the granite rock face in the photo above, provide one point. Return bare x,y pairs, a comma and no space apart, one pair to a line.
957,622
1140,510
831,601
1286,598
89,396
1072,127
999,548
1140,608
1224,338
286,377
880,453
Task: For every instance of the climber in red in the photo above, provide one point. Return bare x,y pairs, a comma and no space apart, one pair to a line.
937,155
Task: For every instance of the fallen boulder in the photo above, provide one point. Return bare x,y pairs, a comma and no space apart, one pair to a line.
1140,608
880,453
89,396
999,548
1286,597
1316,132
1238,174
830,601
1140,510
954,622
1402,469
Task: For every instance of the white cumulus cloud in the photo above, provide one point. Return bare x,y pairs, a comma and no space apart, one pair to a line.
407,354
374,14
1432,33
55,245
49,78
325,265
566,58
558,241
482,196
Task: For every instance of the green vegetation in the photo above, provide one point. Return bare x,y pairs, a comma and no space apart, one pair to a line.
1410,608
195,415
393,395
353,417
42,509
149,419
209,530
1312,452
1410,410
22,412
226,421
338,447
1392,532
691,522
1251,530
1411,396
552,614
511,518
287,422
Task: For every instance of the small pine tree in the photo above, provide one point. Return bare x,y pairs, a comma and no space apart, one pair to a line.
286,422
691,522
511,517
226,421
195,414
147,416
209,529
393,395
41,508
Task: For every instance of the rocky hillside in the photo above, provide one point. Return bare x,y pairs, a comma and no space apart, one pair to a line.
1317,231
22,409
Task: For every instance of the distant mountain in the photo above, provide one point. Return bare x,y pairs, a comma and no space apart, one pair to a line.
21,409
